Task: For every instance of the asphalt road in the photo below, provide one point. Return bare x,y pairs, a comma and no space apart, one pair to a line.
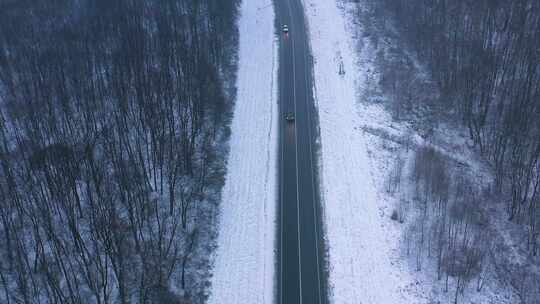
300,266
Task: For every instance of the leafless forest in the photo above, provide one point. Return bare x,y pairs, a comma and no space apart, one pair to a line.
113,125
483,58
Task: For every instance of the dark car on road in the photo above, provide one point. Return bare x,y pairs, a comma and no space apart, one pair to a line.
289,116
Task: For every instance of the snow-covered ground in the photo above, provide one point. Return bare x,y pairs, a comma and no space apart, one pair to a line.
360,143
244,264
363,244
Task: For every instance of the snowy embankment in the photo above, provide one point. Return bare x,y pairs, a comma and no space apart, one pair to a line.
244,262
363,244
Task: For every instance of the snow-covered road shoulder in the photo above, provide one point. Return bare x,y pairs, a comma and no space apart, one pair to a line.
244,263
363,244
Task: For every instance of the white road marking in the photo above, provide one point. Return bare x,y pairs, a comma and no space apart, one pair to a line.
296,164
311,166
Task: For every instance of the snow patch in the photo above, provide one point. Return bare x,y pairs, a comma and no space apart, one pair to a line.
244,266
363,243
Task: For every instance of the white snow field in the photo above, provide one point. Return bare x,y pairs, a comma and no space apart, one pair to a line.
245,261
363,244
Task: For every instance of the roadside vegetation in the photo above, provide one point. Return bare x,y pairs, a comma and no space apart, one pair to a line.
113,128
461,82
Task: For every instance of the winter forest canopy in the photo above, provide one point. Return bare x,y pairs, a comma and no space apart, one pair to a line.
113,122
483,57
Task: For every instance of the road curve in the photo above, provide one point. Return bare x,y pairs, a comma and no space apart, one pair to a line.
301,278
